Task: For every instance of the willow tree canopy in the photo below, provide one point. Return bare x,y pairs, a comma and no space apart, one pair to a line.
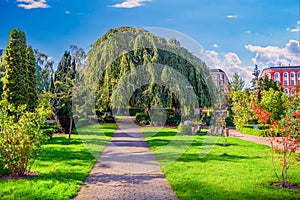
130,66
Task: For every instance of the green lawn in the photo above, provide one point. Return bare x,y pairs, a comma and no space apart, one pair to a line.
61,168
241,170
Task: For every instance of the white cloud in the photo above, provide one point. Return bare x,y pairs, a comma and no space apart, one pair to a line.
31,4
130,4
230,63
216,46
274,56
231,16
293,47
294,30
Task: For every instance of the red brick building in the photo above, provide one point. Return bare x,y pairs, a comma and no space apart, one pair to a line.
288,76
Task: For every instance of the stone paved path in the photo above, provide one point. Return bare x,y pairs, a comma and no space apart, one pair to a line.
253,138
126,169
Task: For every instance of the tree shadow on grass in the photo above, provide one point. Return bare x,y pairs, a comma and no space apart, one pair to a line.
194,157
203,190
61,176
61,140
58,155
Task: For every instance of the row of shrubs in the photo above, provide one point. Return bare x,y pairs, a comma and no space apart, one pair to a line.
173,119
170,119
260,130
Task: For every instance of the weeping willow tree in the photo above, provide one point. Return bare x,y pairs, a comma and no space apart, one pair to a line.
130,66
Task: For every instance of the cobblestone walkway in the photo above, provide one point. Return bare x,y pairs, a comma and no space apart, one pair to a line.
126,169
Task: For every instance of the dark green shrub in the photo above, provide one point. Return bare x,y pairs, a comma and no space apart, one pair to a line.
206,120
109,119
142,118
134,111
229,121
173,120
169,111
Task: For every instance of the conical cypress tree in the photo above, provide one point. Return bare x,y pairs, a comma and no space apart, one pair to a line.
15,88
31,67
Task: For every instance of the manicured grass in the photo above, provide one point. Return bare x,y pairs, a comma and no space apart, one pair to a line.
241,170
61,168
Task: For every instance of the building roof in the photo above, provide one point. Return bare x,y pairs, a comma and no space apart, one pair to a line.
283,67
216,70
280,68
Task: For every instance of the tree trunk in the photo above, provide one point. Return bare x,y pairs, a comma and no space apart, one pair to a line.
70,131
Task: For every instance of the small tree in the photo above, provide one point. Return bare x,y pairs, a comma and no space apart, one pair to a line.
20,138
274,102
242,107
285,146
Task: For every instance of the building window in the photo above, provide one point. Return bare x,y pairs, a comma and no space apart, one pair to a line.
285,78
299,77
277,77
269,75
292,92
286,91
292,75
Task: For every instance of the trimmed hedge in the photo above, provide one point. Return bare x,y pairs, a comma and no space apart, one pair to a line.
142,118
134,111
252,131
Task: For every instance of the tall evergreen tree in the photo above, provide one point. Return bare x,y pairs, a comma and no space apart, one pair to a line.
32,90
61,89
256,83
15,89
268,83
237,83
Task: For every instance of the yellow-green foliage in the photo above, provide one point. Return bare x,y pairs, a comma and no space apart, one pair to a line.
20,138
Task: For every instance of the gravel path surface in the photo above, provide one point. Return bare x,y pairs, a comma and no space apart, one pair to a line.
126,169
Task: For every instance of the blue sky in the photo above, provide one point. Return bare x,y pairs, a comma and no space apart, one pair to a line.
235,34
